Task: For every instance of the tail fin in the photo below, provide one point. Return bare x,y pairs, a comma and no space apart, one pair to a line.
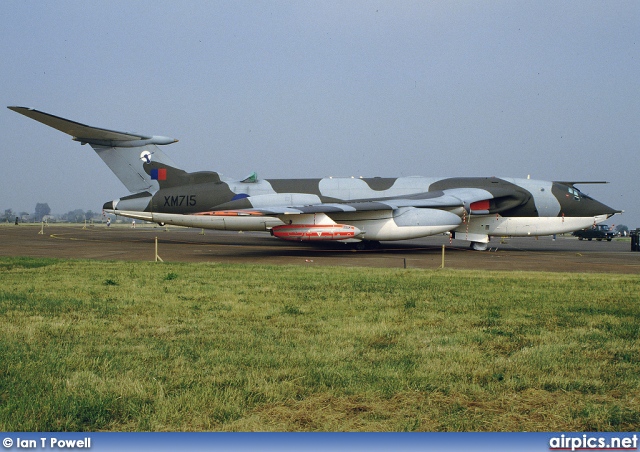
124,153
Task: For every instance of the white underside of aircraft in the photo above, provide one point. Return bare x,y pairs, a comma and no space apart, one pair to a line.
384,227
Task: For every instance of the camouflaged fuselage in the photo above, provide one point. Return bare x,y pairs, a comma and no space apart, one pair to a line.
188,193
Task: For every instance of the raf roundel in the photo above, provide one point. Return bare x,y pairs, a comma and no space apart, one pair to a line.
145,157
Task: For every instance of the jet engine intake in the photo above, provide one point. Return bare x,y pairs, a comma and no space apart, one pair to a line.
401,224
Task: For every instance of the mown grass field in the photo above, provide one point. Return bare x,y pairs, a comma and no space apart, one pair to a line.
88,345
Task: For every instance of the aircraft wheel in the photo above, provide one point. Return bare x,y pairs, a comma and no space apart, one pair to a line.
479,246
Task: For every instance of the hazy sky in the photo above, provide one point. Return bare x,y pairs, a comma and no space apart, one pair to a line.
549,89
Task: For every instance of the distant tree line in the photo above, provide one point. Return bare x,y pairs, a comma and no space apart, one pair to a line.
622,229
78,216
9,215
43,212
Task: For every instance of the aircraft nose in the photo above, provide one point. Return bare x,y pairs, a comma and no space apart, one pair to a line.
603,208
574,203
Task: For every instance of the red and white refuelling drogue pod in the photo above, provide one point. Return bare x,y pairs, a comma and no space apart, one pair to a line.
315,232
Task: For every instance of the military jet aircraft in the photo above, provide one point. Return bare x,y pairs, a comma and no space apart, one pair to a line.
361,210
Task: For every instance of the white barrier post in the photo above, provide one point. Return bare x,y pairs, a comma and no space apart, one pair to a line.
158,258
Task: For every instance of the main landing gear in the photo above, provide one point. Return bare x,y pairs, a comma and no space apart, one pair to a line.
479,246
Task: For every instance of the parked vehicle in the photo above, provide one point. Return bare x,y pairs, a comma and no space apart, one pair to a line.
599,232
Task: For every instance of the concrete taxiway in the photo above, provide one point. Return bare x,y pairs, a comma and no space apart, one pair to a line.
566,254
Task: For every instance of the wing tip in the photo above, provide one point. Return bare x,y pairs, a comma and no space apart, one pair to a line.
572,183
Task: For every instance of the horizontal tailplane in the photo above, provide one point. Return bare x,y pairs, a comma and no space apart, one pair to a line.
124,152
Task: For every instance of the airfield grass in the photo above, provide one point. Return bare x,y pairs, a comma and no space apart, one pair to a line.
121,346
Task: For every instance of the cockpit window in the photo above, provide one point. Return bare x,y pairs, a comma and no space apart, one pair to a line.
575,193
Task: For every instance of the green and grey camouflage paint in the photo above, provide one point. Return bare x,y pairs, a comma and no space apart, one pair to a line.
362,209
